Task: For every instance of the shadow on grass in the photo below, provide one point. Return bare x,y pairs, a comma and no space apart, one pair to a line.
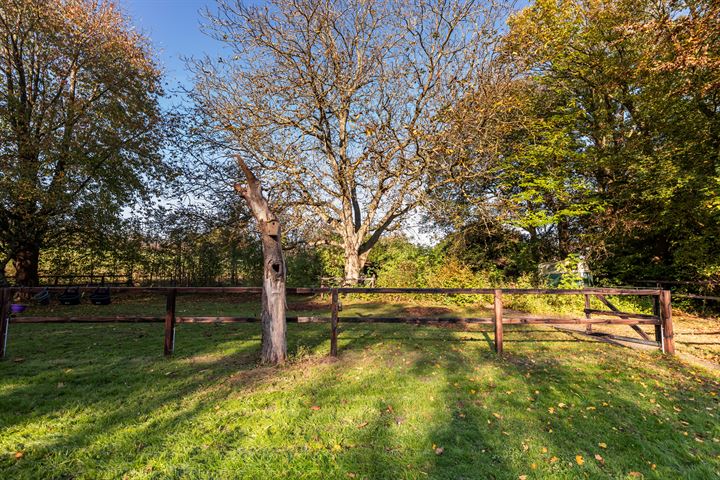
103,403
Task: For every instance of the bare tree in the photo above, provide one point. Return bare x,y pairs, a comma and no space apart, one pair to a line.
336,102
274,343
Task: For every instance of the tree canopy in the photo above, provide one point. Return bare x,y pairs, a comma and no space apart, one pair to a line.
335,102
79,122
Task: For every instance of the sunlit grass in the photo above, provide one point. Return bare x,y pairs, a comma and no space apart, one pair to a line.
99,401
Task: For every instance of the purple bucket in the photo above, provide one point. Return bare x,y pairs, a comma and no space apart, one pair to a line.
17,308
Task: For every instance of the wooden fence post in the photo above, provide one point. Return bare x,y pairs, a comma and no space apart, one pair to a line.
498,321
588,316
5,301
170,322
668,333
656,312
334,323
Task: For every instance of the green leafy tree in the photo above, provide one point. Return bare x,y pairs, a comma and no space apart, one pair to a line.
79,122
622,143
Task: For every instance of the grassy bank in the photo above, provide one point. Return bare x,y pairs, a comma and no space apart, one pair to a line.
99,401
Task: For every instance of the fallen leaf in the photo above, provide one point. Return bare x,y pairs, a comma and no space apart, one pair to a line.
553,459
363,425
19,454
602,445
439,450
579,459
497,415
315,407
389,409
522,477
599,459
551,410
635,474
544,450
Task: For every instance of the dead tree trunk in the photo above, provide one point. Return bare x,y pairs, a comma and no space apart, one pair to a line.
274,343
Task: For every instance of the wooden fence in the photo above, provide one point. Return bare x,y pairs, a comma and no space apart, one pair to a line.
707,286
661,318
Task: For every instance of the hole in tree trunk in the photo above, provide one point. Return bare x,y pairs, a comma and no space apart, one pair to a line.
276,267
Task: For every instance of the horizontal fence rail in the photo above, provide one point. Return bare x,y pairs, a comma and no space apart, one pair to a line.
661,317
347,290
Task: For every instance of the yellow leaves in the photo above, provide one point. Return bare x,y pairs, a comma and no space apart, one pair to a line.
579,459
544,450
551,410
553,459
497,415
315,407
19,455
600,459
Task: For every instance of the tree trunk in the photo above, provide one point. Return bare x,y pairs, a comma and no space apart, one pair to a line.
354,263
3,264
274,341
26,261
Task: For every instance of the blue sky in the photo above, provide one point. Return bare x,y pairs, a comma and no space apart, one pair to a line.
174,28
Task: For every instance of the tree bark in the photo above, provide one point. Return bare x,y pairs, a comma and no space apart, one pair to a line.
354,263
274,327
25,261
3,264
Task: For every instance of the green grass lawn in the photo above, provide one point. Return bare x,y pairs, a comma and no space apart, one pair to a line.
100,401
